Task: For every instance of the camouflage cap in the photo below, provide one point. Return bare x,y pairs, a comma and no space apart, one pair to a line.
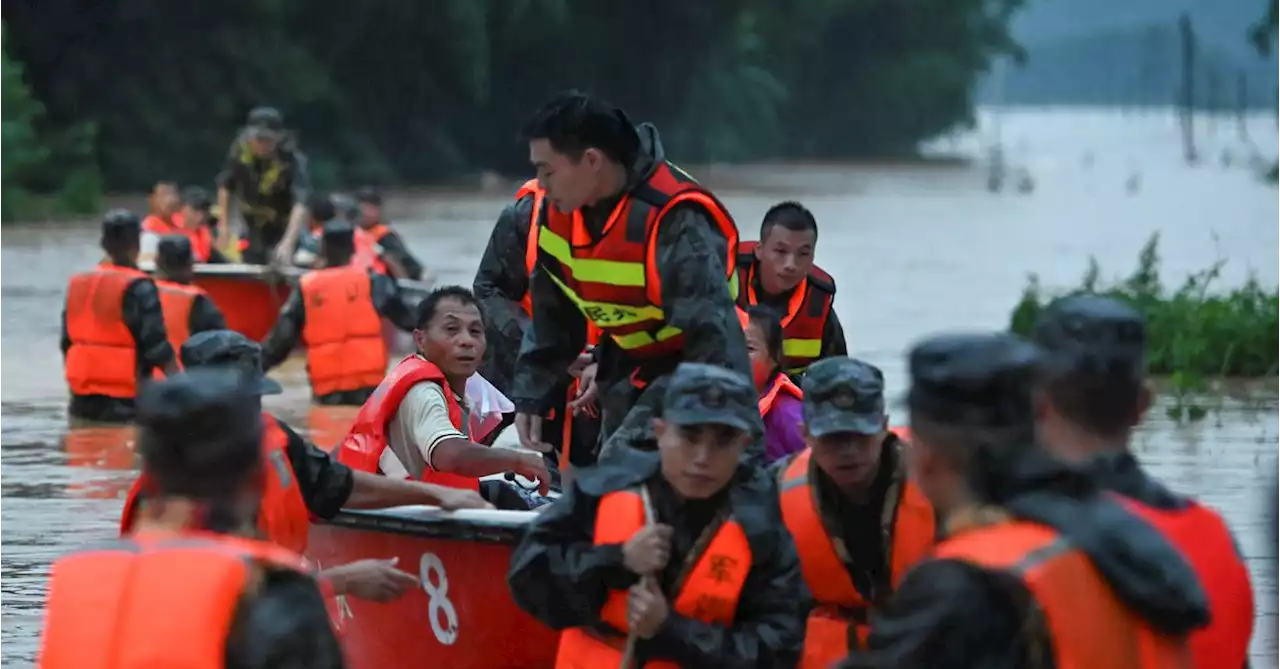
843,395
228,348
973,380
700,394
265,121
1093,335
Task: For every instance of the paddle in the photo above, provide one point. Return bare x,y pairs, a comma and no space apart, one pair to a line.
629,655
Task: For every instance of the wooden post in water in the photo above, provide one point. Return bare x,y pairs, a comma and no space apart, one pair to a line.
1242,104
1187,102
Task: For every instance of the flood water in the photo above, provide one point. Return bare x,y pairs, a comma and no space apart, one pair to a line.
914,250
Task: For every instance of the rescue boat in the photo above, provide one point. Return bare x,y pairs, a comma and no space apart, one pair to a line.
462,615
250,297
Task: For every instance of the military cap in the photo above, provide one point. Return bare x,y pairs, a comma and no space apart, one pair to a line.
265,120
198,430
1092,334
701,394
228,348
843,395
973,380
369,195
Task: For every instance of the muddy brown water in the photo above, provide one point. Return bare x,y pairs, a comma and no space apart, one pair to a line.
914,249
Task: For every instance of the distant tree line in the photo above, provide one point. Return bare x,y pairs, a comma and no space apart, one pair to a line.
388,91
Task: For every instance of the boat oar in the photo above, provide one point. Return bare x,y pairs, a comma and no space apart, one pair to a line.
629,654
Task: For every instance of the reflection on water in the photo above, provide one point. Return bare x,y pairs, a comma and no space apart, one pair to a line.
913,249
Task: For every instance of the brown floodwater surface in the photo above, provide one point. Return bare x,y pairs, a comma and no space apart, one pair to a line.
914,250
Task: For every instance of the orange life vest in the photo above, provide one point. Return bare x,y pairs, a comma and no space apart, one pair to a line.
152,601
1205,541
841,609
614,280
364,444
710,591
283,517
201,238
366,241
176,300
807,311
342,331
102,359
1090,627
781,384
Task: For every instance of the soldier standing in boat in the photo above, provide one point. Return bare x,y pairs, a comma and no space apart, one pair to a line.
858,522
637,247
673,558
337,312
1092,396
1038,567
188,310
778,271
502,287
187,588
300,481
113,332
265,179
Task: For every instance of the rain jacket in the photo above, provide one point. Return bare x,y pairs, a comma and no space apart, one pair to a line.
560,578
949,613
695,298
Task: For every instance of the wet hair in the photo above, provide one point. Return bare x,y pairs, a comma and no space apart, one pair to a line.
790,215
431,303
769,321
1105,405
574,122
321,207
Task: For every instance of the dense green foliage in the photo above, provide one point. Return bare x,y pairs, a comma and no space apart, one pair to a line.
57,165
1194,333
392,91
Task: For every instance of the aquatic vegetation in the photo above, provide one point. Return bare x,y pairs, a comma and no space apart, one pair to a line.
1195,333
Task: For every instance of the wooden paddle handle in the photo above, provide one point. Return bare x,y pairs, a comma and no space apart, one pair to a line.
629,653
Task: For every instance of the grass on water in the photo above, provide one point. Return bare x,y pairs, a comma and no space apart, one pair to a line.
1194,333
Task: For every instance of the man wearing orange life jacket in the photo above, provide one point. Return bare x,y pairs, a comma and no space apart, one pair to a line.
859,524
633,244
1038,568
415,425
113,330
337,313
501,286
187,588
1090,400
188,217
301,481
778,271
376,239
681,550
187,308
